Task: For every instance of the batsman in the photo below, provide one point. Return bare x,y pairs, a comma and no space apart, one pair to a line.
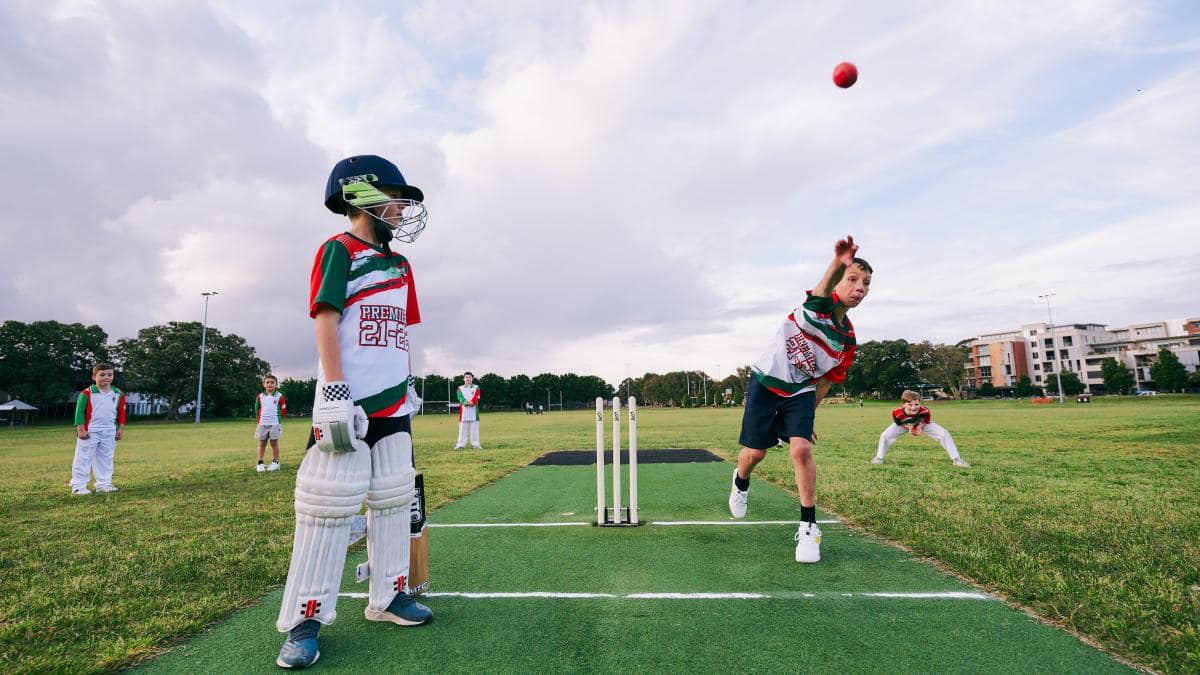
363,300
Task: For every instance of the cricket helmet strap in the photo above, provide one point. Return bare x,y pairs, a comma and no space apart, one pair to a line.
372,183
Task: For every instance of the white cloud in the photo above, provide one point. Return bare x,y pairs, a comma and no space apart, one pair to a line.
645,183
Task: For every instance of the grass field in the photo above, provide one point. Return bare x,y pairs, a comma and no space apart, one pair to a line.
1086,515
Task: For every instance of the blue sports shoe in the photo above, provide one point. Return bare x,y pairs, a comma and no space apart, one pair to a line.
300,648
403,611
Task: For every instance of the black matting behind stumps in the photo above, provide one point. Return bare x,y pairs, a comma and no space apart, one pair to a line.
658,456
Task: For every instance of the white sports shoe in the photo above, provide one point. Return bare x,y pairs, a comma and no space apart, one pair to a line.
808,543
737,499
458,447
81,491
962,463
260,467
877,460
108,488
273,466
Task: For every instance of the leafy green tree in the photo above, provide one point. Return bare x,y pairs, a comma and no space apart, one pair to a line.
732,382
45,362
987,389
943,365
433,388
1168,373
164,361
1117,378
885,367
493,392
1025,387
1071,385
1194,379
299,394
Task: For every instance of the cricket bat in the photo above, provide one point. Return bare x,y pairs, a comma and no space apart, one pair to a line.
418,555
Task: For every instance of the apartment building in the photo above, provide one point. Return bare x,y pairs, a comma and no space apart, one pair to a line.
1039,349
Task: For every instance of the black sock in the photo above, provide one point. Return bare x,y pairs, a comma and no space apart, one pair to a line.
742,484
808,514
260,461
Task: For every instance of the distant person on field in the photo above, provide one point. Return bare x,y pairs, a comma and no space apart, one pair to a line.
468,413
812,350
99,423
364,300
913,418
270,407
540,409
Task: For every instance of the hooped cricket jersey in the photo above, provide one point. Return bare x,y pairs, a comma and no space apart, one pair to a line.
468,397
375,295
904,419
270,408
809,345
100,410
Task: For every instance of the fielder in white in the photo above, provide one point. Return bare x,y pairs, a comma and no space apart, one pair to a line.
99,423
363,300
468,413
914,418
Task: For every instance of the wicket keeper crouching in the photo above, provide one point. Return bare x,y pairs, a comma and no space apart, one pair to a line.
363,299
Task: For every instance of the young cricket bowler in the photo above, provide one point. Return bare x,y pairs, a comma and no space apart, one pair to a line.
812,349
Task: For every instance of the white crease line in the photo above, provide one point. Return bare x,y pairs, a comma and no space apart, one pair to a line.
505,524
737,522
653,522
781,595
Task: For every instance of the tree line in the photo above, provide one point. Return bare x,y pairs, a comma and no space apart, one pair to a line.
45,363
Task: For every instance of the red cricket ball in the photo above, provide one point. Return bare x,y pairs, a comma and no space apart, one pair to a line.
845,74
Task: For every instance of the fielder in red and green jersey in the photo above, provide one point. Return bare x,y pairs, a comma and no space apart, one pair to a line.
99,423
270,407
812,350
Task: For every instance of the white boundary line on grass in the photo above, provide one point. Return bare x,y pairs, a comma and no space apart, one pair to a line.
783,595
653,522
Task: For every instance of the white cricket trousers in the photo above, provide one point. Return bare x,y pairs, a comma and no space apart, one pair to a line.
466,429
94,455
938,433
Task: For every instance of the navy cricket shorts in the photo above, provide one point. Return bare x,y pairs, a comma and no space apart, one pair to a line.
769,418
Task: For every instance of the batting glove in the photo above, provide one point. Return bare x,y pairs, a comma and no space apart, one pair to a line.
338,424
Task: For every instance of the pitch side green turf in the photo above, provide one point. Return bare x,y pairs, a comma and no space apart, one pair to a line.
629,599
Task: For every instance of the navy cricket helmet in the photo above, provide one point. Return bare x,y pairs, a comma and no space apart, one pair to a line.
355,181
376,186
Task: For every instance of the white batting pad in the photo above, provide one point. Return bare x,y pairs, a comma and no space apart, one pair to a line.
330,488
389,519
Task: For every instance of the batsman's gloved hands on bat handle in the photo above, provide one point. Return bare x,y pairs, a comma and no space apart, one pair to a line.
338,424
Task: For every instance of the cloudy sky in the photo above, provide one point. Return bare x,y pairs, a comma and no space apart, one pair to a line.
613,187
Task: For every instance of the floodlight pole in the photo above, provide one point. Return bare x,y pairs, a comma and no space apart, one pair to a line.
203,346
1058,371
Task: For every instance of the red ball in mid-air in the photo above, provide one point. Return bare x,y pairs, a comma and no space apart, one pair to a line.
845,74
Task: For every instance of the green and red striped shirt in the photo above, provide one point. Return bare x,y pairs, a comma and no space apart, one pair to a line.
374,293
810,344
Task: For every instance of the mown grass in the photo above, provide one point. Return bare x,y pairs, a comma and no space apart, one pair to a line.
1085,514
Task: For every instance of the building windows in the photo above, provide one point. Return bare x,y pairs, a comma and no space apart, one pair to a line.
1049,342
1035,356
1037,378
1066,341
1037,366
1063,355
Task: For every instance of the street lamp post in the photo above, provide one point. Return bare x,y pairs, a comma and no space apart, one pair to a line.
203,346
1058,371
